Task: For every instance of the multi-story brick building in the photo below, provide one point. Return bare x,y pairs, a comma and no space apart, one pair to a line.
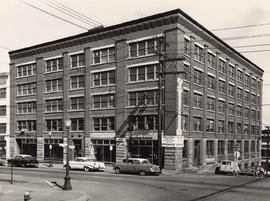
97,78
265,149
4,116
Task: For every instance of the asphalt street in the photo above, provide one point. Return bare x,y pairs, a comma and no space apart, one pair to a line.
187,187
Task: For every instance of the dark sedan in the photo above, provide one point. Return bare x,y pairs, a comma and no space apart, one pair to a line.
23,161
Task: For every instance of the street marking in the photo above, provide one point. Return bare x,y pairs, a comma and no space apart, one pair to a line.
49,183
89,182
9,191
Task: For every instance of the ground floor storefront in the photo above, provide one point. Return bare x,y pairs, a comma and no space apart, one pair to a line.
194,153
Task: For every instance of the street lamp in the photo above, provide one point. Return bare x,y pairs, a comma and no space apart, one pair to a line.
50,147
67,184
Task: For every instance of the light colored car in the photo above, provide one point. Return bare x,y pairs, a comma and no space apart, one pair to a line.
136,165
227,166
86,164
3,162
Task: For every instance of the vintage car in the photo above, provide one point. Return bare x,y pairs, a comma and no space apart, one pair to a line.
2,161
228,167
23,161
86,164
136,165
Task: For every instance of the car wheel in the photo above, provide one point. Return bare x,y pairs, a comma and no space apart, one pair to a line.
86,169
142,173
117,170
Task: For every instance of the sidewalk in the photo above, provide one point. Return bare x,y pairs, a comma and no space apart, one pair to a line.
39,189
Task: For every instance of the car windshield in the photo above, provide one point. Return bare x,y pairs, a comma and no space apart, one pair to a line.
27,157
145,162
88,160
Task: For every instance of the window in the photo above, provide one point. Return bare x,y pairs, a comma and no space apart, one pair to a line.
54,125
245,146
259,86
77,82
221,106
187,48
211,104
230,147
246,129
26,70
26,107
246,96
29,125
3,110
246,112
222,66
186,74
104,55
211,82
54,85
253,129
77,125
103,101
231,127
259,100
211,60
198,54
77,60
239,128
221,147
239,111
258,115
142,48
185,123
104,78
143,73
253,83
253,114
198,77
197,124
54,105
198,101
239,75
54,65
210,148
231,71
247,80
210,125
143,97
252,146
77,103
3,92
253,98
3,128
144,122
239,93
103,123
185,98
26,89
221,126
231,108
221,86
231,90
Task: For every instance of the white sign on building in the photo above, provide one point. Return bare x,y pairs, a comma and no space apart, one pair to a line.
173,141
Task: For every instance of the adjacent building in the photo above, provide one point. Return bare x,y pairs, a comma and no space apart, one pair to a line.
265,139
4,116
106,82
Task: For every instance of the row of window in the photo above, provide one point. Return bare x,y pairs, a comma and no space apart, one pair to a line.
198,126
144,122
210,60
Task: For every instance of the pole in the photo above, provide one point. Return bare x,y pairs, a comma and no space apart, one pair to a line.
50,147
160,81
267,151
11,173
67,184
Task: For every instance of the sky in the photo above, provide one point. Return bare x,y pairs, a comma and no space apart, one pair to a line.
22,25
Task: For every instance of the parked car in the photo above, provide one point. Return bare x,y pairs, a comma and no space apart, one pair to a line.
228,167
252,171
86,164
2,161
136,165
23,161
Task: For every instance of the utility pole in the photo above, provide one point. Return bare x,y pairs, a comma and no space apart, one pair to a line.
161,91
267,151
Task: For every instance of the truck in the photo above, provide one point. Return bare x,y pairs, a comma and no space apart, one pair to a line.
228,167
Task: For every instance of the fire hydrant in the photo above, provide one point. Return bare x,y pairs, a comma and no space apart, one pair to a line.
27,196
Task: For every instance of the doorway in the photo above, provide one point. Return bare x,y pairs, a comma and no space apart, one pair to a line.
196,158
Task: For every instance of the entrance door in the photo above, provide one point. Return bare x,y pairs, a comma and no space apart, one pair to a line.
196,158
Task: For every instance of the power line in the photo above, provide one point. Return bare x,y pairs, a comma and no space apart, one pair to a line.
44,11
241,27
86,17
3,47
68,13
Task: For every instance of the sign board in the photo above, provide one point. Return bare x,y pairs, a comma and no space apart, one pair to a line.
111,148
237,154
172,141
71,146
50,146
